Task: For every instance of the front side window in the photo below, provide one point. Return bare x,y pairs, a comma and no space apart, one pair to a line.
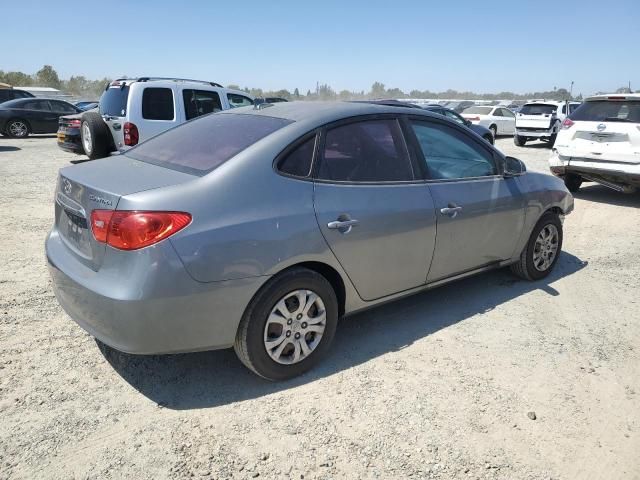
507,113
200,102
236,100
199,146
366,151
157,104
449,154
298,161
478,110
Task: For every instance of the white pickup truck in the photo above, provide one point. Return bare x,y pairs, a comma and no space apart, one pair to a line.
600,142
541,120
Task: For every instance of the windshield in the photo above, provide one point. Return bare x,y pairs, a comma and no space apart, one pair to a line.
610,111
478,110
203,144
113,101
538,109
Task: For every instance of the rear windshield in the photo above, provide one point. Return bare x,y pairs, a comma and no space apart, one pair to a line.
538,109
113,101
478,110
608,111
203,144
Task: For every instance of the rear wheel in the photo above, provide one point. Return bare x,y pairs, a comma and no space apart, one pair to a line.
519,140
572,182
541,253
95,136
489,138
17,128
288,326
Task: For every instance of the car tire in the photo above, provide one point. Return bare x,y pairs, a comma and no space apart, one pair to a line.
494,131
17,128
266,323
536,261
95,136
552,140
519,140
489,138
573,182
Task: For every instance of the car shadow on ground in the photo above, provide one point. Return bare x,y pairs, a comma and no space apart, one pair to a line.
601,194
209,379
9,148
537,144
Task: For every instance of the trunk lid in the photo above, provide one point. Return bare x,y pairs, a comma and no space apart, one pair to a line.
99,185
602,141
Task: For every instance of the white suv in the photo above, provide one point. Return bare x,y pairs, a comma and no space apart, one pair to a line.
133,110
600,142
541,120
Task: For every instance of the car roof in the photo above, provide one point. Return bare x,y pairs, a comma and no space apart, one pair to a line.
614,96
319,112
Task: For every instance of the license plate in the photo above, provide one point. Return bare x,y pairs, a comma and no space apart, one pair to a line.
60,137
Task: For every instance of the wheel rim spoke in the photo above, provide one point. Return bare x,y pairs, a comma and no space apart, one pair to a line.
545,248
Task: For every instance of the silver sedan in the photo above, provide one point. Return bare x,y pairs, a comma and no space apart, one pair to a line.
258,228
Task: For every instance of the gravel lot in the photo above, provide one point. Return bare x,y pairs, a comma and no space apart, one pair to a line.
440,385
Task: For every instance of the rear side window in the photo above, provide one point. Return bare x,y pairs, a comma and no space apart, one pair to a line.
157,104
113,101
367,151
200,102
236,100
298,161
608,111
199,146
36,105
450,154
62,107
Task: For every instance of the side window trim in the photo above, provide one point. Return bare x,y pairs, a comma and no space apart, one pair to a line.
318,156
497,160
291,147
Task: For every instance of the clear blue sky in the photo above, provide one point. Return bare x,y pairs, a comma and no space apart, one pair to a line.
484,46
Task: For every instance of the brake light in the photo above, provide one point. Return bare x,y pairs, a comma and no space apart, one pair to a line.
616,98
567,124
74,123
131,230
473,119
131,136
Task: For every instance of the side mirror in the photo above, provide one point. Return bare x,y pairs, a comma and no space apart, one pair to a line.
514,167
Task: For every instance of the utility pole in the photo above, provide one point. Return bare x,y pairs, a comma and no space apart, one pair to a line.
571,91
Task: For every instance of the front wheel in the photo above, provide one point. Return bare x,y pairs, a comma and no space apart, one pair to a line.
541,253
17,129
519,140
288,326
494,131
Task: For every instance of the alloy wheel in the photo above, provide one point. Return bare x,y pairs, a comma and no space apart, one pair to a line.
87,141
295,327
18,128
545,249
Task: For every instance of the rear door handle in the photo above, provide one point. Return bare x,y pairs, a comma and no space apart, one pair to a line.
451,211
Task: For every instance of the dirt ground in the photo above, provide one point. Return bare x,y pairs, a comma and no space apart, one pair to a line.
440,385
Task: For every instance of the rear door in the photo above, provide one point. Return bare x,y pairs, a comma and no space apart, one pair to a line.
480,214
156,113
373,209
39,115
605,131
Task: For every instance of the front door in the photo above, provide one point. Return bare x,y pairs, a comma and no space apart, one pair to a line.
376,216
480,213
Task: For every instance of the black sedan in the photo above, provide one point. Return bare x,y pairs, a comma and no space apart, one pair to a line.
484,132
19,118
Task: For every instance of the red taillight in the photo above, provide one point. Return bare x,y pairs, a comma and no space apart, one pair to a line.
131,230
131,136
74,123
473,119
567,124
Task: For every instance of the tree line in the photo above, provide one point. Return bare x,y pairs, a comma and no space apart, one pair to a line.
80,86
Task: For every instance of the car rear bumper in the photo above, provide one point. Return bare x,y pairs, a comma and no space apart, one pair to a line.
69,140
534,133
606,170
154,306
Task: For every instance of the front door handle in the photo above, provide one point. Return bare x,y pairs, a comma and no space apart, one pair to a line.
451,211
343,226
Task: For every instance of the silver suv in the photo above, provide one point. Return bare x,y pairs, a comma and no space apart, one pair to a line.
133,110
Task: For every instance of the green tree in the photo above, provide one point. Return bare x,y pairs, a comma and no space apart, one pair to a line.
17,79
377,90
233,87
296,93
48,77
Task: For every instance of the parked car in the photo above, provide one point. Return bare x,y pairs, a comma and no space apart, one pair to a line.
258,228
7,94
87,105
270,100
484,132
131,111
19,118
541,120
600,142
500,120
459,106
